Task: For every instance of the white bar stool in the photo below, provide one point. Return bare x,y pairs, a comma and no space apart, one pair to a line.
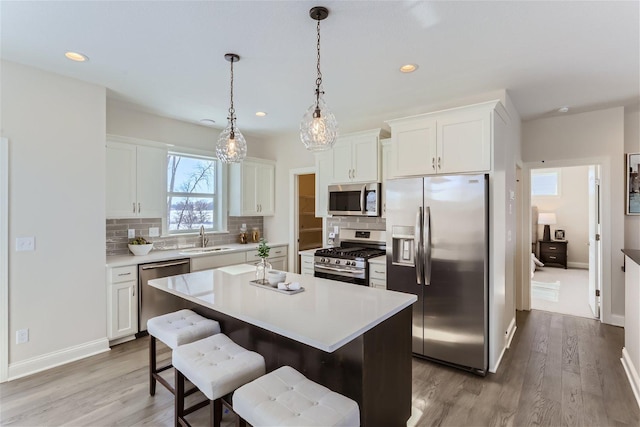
216,366
175,329
285,397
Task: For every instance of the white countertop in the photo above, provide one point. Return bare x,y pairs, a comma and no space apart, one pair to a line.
327,315
382,259
309,251
161,255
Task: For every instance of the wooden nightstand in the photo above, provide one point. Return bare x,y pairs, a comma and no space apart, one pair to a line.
553,252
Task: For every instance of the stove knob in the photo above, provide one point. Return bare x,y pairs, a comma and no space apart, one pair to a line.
322,260
337,261
347,263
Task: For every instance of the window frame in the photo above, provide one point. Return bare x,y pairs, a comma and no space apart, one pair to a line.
219,196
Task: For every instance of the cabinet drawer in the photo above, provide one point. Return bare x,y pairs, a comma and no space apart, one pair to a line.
124,274
307,271
379,284
552,249
280,251
378,271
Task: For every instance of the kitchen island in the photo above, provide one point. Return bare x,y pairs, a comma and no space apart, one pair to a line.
631,350
353,339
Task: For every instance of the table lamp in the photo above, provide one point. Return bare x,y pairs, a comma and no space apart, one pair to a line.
546,219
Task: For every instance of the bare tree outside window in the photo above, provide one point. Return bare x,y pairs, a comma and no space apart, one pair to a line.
191,197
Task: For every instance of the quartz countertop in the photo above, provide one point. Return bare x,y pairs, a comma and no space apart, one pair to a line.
327,315
634,254
382,259
162,255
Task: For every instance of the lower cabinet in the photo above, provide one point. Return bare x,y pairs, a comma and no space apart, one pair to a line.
307,264
217,260
277,258
122,301
378,275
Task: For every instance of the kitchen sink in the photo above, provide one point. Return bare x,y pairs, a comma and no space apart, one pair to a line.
195,251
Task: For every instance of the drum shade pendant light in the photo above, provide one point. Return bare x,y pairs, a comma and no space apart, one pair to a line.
319,128
231,146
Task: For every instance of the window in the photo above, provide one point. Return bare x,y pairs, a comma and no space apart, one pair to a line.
545,183
193,194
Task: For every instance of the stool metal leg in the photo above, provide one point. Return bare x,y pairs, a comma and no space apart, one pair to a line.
152,365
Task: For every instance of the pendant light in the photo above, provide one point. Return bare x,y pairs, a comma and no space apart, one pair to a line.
231,146
318,128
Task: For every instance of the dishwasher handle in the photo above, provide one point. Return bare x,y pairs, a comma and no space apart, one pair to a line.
166,264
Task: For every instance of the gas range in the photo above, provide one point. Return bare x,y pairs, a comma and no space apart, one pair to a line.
349,262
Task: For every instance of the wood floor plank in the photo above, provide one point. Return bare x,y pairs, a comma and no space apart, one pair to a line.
532,386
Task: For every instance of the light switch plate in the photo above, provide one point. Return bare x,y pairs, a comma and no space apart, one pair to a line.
154,232
131,233
25,244
336,229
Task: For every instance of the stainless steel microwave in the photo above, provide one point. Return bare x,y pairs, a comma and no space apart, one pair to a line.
354,199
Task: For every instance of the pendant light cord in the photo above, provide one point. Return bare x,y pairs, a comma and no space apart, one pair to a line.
319,78
232,111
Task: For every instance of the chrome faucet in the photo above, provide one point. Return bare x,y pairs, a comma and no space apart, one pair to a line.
203,238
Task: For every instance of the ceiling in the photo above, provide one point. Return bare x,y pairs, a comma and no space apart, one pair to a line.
167,57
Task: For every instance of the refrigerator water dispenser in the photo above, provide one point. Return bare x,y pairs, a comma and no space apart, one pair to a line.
403,245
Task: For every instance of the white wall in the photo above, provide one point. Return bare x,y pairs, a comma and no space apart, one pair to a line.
632,145
572,212
579,139
56,129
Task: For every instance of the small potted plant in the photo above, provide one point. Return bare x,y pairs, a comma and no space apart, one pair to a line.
263,267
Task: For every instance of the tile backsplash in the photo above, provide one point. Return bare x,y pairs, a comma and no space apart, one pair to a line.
117,240
354,222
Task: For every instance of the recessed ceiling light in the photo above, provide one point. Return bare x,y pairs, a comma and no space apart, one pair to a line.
75,56
564,109
207,122
261,114
408,68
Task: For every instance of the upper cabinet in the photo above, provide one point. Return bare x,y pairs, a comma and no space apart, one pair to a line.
134,177
450,141
356,157
252,188
387,172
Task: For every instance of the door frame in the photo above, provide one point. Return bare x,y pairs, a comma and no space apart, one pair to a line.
293,214
4,259
524,302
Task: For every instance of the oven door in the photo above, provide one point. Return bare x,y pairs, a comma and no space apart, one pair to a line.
354,199
356,277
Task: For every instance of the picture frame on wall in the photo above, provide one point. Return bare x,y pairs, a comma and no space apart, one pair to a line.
559,234
633,183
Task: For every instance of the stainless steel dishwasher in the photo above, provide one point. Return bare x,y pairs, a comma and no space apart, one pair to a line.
151,301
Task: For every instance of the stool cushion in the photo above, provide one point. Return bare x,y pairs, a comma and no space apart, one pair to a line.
285,397
217,365
181,327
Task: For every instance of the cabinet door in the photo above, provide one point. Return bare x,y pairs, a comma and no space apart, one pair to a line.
414,149
249,189
464,142
306,265
123,309
365,159
324,175
386,172
342,164
279,264
121,180
151,179
265,189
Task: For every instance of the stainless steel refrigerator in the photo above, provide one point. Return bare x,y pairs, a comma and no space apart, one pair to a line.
438,249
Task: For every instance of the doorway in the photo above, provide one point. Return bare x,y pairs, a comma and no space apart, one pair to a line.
566,256
306,230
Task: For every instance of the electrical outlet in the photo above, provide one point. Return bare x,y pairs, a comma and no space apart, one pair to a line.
154,232
336,229
25,244
131,233
22,336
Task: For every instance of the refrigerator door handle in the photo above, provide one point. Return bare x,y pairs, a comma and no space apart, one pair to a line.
427,245
417,244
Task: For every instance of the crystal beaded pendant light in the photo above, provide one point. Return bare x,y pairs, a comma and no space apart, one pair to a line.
231,146
318,128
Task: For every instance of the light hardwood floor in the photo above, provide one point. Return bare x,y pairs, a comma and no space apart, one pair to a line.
560,370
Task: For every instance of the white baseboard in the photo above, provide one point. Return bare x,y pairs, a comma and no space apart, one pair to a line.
511,332
57,358
581,265
615,320
632,374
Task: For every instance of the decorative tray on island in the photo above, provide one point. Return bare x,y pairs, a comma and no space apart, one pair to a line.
266,285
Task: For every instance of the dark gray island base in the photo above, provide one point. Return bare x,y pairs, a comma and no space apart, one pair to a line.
374,369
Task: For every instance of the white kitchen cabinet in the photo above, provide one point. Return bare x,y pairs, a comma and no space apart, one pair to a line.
445,142
378,274
135,181
387,172
356,157
277,258
217,260
324,174
307,263
252,188
122,301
